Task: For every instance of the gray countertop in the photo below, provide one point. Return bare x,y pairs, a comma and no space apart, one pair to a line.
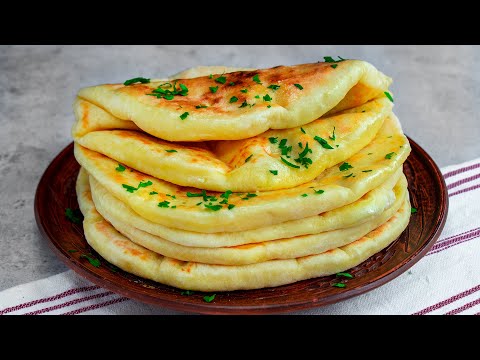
437,92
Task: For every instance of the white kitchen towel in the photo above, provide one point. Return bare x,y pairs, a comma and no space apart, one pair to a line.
445,281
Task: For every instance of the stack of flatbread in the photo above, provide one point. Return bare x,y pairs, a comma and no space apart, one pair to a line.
222,179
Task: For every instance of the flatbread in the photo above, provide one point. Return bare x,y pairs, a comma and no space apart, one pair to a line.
384,156
243,165
367,208
306,93
120,251
286,248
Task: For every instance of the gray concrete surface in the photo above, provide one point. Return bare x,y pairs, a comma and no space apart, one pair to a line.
437,98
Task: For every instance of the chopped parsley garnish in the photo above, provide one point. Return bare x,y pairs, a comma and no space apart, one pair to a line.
323,142
131,189
224,201
160,92
345,166
302,159
289,163
172,196
344,274
72,251
256,79
269,106
187,292
200,203
369,153
413,210
231,83
221,79
257,96
136,80
300,145
299,86
339,285
171,151
366,170
329,59
244,104
267,98
388,95
304,195
213,207
333,137
274,172
244,91
230,206
201,106
213,89
120,168
153,193
209,298
318,192
248,158
251,195
233,99
210,76
226,194
349,175
302,130
273,140
164,204
184,115
389,155
91,260
274,87
189,194
333,66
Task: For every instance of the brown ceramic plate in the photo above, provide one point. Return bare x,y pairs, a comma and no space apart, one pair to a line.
56,192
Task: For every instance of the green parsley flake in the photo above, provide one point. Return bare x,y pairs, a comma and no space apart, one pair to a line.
334,66
244,104
349,175
230,206
304,195
339,285
74,216
187,292
289,163
366,170
244,91
171,151
184,115
344,274
221,79
144,184
389,155
274,172
201,106
136,80
274,87
200,203
301,157
323,142
267,98
160,92
174,207
413,210
210,76
329,59
226,194
233,99
129,188
273,140
318,192
345,166
248,158
257,96
213,207
72,251
256,79
213,89
333,137
299,86
388,95
209,298
251,195
164,204
120,168
91,260
224,201
231,83
369,153
153,193
269,106
302,130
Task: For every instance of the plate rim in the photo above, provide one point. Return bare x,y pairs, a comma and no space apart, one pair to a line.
209,308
